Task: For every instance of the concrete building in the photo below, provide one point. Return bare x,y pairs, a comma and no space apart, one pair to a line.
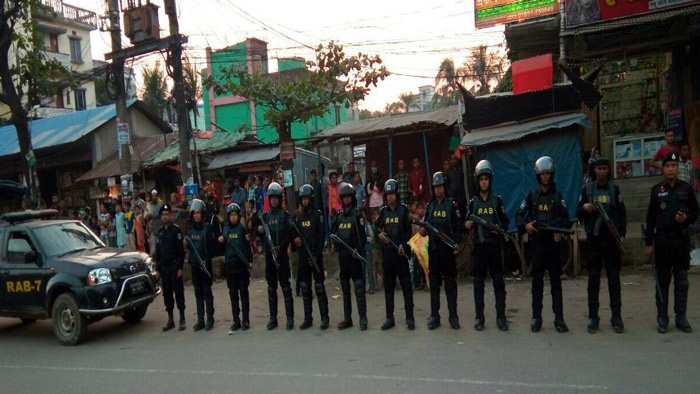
235,113
66,32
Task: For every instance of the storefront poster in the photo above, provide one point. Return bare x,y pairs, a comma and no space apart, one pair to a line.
585,12
488,13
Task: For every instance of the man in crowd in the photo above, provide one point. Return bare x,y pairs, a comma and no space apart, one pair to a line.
350,173
664,150
417,185
137,201
333,194
455,184
402,182
238,194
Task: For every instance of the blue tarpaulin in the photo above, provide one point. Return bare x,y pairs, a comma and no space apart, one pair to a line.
513,160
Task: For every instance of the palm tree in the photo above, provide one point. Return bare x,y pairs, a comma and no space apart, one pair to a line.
154,93
483,68
408,101
447,76
193,88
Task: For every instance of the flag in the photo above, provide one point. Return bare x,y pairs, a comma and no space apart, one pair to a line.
419,246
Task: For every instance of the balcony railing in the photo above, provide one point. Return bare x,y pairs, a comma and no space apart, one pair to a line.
72,13
62,58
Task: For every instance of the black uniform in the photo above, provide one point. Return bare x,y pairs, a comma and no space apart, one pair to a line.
204,243
671,243
395,223
548,209
237,274
602,245
488,252
282,234
349,227
444,216
170,257
311,225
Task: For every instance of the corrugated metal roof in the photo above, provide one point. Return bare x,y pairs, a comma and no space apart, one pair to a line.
220,140
393,123
633,21
251,155
143,149
512,132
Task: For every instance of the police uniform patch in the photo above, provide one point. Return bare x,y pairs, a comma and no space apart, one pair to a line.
563,203
662,205
179,236
523,204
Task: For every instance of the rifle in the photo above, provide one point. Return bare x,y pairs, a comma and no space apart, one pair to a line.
268,237
201,262
653,267
241,255
342,243
491,226
611,226
546,227
306,245
433,230
395,246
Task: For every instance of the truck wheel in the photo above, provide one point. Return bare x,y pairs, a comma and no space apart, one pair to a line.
69,325
135,315
27,320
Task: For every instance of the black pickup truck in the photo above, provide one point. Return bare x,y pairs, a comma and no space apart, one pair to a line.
59,269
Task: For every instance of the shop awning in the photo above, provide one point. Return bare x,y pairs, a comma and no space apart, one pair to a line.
532,74
247,156
640,20
219,141
142,149
516,131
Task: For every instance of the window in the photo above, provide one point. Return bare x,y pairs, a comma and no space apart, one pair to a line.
59,99
62,239
18,245
80,103
76,53
53,43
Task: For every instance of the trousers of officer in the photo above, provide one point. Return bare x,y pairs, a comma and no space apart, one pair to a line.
306,272
488,258
396,267
172,285
442,266
545,257
351,269
238,283
603,250
672,261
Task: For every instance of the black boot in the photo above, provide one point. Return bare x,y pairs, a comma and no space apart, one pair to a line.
561,326
288,306
662,322
682,324
170,324
502,323
388,323
272,301
680,280
479,323
347,305
322,304
308,307
361,303
433,322
235,312
617,325
536,324
451,293
200,315
408,302
593,322
209,303
181,326
245,310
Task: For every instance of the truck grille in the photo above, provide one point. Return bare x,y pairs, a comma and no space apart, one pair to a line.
129,269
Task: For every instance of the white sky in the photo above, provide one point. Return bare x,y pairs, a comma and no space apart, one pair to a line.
412,37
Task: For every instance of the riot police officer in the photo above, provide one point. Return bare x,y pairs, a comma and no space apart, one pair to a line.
169,257
443,214
238,259
545,207
281,233
488,249
672,208
395,232
602,242
309,222
348,226
201,240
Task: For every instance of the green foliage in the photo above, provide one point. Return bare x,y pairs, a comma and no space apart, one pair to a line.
333,78
480,71
408,100
154,93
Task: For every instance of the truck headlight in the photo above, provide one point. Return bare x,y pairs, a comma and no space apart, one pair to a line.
150,265
99,276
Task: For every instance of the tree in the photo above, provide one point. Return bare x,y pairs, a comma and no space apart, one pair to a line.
154,93
26,76
193,90
483,68
333,78
447,77
392,108
408,100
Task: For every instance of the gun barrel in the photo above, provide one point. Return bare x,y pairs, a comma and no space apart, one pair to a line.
348,248
306,245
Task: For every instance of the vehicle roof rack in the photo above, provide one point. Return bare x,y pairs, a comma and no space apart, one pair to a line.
18,217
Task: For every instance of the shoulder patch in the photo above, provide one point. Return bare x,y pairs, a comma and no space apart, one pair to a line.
179,236
563,203
523,204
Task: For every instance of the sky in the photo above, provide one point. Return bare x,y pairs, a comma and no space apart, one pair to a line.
412,37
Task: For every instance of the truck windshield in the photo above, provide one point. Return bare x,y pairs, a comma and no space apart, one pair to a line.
66,238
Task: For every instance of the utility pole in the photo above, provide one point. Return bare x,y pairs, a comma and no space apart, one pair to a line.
183,124
120,92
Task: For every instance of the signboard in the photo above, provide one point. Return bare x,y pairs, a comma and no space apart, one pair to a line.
122,133
191,192
127,186
287,151
488,13
585,12
675,123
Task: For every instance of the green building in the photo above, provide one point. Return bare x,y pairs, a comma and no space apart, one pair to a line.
235,113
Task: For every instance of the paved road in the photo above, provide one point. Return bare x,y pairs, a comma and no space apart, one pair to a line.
118,358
